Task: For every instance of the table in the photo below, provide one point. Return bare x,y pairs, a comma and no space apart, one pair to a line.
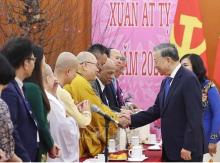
153,156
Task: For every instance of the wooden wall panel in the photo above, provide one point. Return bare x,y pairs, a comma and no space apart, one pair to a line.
68,28
73,28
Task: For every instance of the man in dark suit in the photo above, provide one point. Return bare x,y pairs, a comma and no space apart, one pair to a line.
179,105
120,63
105,85
19,53
112,97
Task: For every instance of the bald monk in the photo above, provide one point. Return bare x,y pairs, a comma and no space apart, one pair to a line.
92,139
65,71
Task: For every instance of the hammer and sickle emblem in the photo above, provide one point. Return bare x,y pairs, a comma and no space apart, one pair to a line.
190,23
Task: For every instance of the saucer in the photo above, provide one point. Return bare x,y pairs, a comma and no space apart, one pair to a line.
91,160
137,159
112,151
155,147
149,143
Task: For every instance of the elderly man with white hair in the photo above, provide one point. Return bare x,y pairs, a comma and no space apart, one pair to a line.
116,91
65,71
92,140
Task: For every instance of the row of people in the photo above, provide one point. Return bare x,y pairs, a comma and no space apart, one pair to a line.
44,114
57,125
31,107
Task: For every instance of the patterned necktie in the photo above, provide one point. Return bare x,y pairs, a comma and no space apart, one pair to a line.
167,86
119,95
104,97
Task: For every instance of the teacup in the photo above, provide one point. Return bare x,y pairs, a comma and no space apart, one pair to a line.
100,158
136,152
111,145
152,139
135,141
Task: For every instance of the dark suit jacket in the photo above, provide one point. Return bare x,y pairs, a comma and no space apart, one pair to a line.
25,128
97,88
111,96
181,116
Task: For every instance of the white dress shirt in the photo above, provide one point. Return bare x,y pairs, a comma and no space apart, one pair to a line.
173,74
102,88
101,84
20,84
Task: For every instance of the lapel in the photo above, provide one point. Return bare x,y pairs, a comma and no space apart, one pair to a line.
162,94
26,104
15,84
101,94
99,87
174,84
114,93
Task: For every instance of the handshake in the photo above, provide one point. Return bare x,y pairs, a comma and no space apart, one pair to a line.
125,118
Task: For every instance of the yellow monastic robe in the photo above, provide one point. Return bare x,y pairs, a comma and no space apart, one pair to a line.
92,137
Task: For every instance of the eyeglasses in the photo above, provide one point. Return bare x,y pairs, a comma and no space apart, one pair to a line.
122,58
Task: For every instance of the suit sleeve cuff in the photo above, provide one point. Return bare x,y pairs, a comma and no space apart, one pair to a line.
214,138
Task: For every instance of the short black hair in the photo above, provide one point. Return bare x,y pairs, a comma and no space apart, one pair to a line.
168,50
7,72
16,50
97,49
197,65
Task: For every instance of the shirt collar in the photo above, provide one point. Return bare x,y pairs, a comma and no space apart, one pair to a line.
173,74
101,84
20,83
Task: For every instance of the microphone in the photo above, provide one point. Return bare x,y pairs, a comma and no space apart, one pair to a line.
96,109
